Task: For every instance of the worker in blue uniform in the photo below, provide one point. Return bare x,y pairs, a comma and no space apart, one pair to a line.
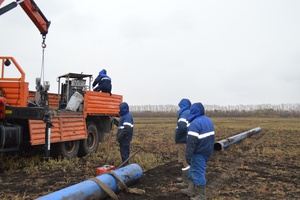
103,81
199,147
125,131
180,139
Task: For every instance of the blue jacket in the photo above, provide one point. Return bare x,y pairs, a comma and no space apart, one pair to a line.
201,133
102,76
125,125
183,113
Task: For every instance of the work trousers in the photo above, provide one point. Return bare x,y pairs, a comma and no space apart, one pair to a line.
198,169
125,151
181,148
104,86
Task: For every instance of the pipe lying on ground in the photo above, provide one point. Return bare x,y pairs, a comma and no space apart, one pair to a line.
89,189
222,144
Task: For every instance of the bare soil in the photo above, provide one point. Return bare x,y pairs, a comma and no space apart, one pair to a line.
264,166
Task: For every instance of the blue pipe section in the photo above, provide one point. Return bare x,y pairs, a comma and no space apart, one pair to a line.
89,189
222,144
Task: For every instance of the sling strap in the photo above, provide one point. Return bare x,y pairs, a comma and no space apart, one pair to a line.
107,189
121,186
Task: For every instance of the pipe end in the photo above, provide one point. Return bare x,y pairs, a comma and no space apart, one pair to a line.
218,147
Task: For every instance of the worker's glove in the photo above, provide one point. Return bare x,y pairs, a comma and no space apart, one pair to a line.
188,160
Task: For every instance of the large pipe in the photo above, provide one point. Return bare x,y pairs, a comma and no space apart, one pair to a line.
222,144
89,189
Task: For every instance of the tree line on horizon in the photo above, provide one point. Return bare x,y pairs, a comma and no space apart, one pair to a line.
262,110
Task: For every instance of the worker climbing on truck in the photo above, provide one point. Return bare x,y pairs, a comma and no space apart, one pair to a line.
125,131
103,81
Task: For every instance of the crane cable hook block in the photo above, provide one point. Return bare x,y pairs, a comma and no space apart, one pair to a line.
43,43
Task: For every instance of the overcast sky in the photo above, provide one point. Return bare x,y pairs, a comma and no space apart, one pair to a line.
217,52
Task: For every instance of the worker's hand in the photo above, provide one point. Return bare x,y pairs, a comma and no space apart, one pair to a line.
116,122
121,136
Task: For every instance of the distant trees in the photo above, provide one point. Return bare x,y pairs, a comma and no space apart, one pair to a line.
154,108
262,110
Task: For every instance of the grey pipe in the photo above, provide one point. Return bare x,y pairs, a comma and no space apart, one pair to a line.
222,144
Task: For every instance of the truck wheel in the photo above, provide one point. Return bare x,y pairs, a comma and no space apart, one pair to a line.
90,144
69,149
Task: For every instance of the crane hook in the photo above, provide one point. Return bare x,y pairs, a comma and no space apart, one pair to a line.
43,43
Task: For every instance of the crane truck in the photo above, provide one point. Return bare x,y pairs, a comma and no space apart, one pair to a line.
68,126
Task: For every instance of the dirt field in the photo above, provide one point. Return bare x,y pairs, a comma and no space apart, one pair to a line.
263,166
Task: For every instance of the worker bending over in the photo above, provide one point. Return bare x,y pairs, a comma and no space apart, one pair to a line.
103,81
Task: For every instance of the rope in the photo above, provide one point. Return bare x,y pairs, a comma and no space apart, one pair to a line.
42,75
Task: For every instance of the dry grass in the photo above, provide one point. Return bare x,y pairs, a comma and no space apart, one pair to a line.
264,166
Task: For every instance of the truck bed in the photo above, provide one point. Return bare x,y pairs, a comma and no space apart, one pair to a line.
70,125
98,103
67,125
95,103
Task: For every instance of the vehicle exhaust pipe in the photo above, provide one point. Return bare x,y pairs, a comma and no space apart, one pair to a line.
222,144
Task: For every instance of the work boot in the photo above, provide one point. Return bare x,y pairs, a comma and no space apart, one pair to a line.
201,193
190,190
179,179
185,178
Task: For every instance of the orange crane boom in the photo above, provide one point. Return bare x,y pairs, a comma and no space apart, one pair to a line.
32,11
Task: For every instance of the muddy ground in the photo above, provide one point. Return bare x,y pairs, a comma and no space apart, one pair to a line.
263,166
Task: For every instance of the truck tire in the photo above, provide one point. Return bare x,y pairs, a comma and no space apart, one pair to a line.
69,149
90,144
